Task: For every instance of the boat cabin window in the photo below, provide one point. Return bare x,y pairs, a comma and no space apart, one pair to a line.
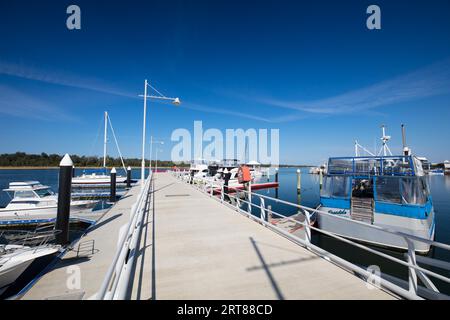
388,190
335,186
24,194
44,192
405,190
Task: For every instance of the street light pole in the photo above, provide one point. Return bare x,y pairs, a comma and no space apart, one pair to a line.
175,101
143,135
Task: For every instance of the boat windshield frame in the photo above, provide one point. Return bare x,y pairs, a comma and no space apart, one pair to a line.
375,166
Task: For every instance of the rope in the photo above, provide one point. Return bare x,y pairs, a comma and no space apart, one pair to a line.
117,145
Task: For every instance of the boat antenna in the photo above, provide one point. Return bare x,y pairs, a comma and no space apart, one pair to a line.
406,150
384,148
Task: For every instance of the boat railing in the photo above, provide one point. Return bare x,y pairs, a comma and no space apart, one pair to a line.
116,283
29,238
414,290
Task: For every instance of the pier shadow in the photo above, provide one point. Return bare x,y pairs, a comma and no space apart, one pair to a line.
142,251
266,268
65,262
104,222
163,187
282,263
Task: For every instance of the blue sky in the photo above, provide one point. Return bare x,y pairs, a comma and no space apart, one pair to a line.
311,69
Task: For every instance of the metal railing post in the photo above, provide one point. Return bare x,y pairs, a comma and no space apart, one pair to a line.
307,227
238,200
411,258
263,210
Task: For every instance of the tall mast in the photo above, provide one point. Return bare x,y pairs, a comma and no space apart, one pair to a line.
105,139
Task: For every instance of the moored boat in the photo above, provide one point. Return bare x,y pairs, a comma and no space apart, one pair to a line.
386,191
94,179
32,202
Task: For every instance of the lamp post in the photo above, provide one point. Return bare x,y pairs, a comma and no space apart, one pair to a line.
156,156
175,101
152,142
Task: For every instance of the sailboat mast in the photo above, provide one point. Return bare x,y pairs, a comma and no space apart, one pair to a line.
105,139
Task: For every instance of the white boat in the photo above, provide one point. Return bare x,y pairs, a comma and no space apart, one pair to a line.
96,179
102,178
447,167
15,259
32,202
256,170
436,172
388,191
316,170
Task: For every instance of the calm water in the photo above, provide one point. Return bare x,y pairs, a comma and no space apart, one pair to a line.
47,177
440,188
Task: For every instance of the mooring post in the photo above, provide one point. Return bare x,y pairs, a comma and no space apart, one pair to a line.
276,180
320,178
129,177
112,194
64,197
299,181
249,189
73,171
226,177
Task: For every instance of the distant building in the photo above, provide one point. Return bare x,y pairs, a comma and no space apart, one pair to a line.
447,167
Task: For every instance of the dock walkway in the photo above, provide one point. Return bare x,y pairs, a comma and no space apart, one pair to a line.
205,250
193,247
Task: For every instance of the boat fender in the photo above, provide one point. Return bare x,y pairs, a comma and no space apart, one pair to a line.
244,174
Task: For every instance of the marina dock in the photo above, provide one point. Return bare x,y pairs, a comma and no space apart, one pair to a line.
194,247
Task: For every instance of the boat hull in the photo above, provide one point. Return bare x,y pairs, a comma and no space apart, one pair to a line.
343,226
81,210
97,180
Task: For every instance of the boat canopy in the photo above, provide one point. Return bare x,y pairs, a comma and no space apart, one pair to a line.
227,163
376,166
25,185
398,190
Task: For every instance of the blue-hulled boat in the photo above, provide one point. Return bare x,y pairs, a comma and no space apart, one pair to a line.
386,191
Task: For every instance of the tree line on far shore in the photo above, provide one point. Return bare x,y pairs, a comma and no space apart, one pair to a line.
22,159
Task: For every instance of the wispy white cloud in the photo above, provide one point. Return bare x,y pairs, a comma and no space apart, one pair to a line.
19,104
430,81
60,78
230,112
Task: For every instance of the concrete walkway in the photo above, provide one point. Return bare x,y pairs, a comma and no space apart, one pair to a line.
202,249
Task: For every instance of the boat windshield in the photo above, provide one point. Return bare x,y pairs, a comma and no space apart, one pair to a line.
44,192
24,194
391,165
404,190
336,186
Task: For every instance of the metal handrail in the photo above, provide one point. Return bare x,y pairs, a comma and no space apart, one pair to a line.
414,270
115,285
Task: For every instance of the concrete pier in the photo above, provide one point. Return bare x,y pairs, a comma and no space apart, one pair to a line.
193,247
